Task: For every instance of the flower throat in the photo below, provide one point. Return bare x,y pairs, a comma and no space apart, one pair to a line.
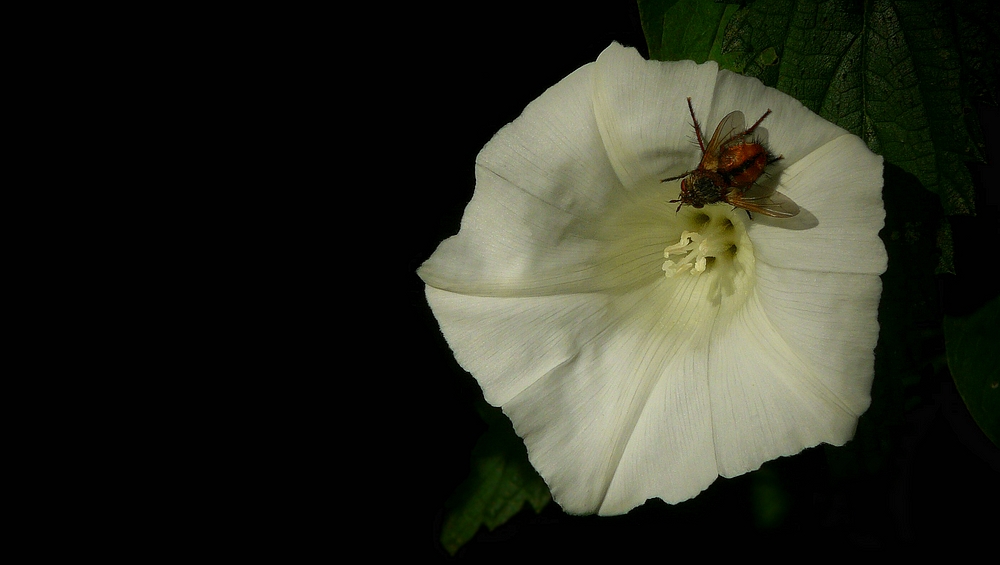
712,243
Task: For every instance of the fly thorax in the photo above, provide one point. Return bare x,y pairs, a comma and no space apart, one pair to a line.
703,187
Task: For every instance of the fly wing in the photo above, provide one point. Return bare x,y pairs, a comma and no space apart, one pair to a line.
729,128
766,201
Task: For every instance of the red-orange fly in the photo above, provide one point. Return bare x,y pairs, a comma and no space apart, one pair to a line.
730,165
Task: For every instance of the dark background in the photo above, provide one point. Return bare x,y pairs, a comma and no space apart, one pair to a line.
467,77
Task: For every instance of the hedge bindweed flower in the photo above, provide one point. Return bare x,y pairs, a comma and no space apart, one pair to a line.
642,351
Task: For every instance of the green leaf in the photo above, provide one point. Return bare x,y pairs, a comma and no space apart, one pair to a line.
652,16
500,481
887,71
771,501
978,35
971,345
685,29
900,74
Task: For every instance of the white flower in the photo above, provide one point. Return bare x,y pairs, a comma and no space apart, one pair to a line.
639,351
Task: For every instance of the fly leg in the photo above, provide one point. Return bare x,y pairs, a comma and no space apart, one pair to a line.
677,177
697,126
757,123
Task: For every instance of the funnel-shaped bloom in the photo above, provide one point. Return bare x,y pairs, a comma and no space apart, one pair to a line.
640,351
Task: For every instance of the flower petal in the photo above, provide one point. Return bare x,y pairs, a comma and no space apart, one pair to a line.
830,323
839,187
604,389
670,453
794,368
508,343
642,112
793,130
542,183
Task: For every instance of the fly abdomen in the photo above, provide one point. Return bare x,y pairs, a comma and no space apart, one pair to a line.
744,163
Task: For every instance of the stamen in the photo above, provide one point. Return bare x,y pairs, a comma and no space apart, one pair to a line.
696,251
689,241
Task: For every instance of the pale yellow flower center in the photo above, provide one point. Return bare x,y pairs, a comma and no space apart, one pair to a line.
713,243
692,253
